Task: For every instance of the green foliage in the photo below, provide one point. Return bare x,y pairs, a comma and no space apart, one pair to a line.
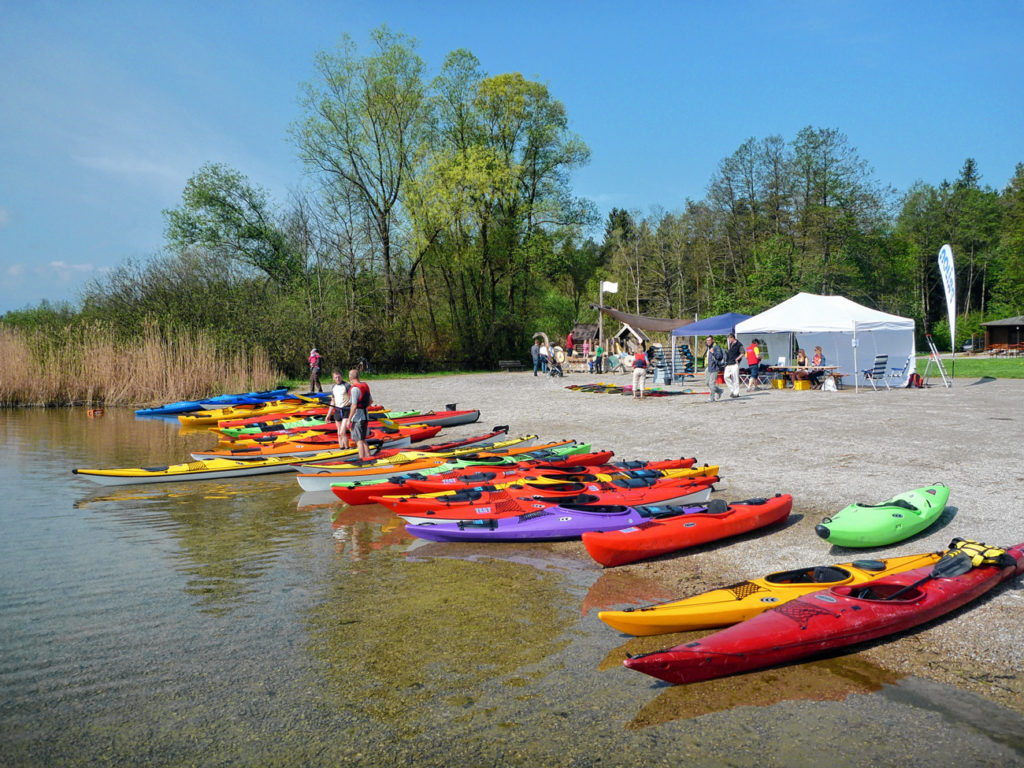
440,231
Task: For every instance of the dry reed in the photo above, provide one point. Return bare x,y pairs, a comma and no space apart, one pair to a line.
90,367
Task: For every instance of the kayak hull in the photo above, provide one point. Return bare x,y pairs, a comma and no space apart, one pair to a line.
660,537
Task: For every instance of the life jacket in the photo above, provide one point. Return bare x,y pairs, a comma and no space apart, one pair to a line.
982,554
753,355
639,361
314,361
363,398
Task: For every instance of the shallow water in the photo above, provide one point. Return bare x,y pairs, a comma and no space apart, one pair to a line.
223,622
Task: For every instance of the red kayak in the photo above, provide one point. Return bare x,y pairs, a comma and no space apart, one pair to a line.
837,617
362,491
471,504
660,536
468,477
441,484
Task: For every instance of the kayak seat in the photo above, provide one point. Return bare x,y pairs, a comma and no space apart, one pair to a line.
824,574
901,503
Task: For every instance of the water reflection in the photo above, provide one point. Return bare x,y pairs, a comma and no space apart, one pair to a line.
407,643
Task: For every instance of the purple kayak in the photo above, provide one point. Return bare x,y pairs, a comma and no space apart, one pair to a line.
554,523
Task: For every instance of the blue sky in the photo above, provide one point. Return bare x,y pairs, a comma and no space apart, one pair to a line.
107,108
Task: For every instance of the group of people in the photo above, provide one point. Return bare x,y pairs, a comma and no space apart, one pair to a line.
816,362
348,405
727,363
543,357
348,410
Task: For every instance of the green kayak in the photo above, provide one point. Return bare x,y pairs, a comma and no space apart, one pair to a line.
875,525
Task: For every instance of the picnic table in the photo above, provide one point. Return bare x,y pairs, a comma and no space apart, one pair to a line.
791,373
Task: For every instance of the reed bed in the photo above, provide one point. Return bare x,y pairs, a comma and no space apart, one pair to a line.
90,367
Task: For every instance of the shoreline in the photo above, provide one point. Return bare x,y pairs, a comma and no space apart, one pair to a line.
828,449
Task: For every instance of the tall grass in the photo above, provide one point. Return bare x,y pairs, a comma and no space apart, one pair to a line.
91,367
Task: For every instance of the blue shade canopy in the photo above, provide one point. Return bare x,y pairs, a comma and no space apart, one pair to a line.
715,326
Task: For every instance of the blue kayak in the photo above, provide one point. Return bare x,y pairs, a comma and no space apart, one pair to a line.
220,401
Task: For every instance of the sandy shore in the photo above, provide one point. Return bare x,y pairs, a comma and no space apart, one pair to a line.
827,450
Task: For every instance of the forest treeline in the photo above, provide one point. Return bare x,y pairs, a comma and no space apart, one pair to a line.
436,227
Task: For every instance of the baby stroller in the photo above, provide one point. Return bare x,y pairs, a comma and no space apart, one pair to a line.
556,357
555,362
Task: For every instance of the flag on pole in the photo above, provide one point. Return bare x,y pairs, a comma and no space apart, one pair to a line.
949,283
607,287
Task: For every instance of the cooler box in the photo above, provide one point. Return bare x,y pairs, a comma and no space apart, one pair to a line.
778,383
801,384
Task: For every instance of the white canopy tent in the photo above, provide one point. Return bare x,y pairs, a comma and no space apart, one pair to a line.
850,335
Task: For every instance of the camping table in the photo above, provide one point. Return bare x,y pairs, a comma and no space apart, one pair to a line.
789,372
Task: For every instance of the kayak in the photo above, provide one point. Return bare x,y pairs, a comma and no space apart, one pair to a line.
430,486
507,503
293,424
419,461
212,418
875,525
197,470
248,398
834,618
406,435
467,477
363,491
660,536
187,406
564,521
746,599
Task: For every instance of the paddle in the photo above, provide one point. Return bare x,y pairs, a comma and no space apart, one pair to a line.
947,566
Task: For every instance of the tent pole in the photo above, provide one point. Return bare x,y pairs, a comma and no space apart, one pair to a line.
856,367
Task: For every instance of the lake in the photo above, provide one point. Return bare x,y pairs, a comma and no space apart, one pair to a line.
229,623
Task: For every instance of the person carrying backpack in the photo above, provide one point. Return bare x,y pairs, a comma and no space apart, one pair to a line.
714,362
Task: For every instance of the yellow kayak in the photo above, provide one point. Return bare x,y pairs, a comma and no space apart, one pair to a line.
212,417
741,601
203,470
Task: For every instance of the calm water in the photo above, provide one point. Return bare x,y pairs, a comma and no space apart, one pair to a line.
227,622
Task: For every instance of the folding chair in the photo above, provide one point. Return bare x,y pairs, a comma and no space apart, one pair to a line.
877,372
898,374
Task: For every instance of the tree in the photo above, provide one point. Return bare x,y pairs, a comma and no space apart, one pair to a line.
223,213
363,129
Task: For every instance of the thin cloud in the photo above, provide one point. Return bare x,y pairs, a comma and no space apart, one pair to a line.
5,217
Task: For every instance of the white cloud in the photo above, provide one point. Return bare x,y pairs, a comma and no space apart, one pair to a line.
66,272
15,270
5,217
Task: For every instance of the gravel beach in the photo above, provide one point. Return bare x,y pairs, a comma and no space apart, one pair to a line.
828,449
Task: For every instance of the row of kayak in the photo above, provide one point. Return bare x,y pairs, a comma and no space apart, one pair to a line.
495,488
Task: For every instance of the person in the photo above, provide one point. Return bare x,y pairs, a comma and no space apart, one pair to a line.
544,357
754,363
801,363
535,354
586,348
338,411
714,360
569,345
639,373
315,362
817,361
598,358
733,353
360,421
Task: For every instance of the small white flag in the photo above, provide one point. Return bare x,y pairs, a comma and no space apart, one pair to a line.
609,287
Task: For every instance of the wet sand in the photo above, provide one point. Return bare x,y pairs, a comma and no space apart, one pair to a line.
827,449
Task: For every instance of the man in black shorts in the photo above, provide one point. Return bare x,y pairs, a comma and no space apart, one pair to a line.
361,399
340,406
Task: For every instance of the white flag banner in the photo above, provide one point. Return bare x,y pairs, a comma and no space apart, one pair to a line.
949,283
609,287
